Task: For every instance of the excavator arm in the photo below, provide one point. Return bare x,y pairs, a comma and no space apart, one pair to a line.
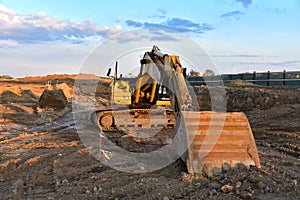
164,70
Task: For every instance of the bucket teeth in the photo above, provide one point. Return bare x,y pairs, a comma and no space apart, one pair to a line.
216,140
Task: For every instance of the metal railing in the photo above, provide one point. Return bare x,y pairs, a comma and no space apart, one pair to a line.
284,78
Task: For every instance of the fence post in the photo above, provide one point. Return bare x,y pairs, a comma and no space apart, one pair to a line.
268,77
283,77
254,76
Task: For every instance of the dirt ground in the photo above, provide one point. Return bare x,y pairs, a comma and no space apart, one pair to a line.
42,156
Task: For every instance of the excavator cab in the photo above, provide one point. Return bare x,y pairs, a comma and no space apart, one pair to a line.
120,89
121,94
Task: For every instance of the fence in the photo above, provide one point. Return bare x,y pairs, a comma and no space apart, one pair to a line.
291,78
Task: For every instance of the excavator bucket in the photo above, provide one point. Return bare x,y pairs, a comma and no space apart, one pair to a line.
218,141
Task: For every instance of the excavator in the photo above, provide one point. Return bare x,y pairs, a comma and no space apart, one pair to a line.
160,98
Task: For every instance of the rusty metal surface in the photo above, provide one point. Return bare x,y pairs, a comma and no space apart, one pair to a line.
218,141
137,119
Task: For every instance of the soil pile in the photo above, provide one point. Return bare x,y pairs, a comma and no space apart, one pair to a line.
246,98
26,97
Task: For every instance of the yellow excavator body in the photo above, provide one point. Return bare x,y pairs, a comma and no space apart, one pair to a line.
121,94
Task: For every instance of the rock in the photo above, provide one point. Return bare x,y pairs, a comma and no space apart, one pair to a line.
188,177
260,185
267,144
165,198
226,167
226,188
54,99
212,192
95,189
214,185
247,196
142,168
238,184
113,191
295,183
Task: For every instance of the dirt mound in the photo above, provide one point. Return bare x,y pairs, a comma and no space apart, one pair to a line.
68,91
246,98
55,99
69,78
26,97
47,78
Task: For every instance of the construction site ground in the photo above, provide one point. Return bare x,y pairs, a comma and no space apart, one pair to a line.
42,156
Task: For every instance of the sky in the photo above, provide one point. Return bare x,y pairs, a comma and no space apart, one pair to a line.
47,37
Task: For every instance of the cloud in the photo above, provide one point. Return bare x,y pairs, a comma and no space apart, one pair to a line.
8,43
44,58
277,10
161,11
42,27
245,3
174,24
234,14
163,38
284,63
125,37
133,23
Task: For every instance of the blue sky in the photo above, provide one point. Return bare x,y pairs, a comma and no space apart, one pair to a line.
45,37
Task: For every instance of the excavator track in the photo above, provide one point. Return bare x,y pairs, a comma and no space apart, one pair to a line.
135,119
217,141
